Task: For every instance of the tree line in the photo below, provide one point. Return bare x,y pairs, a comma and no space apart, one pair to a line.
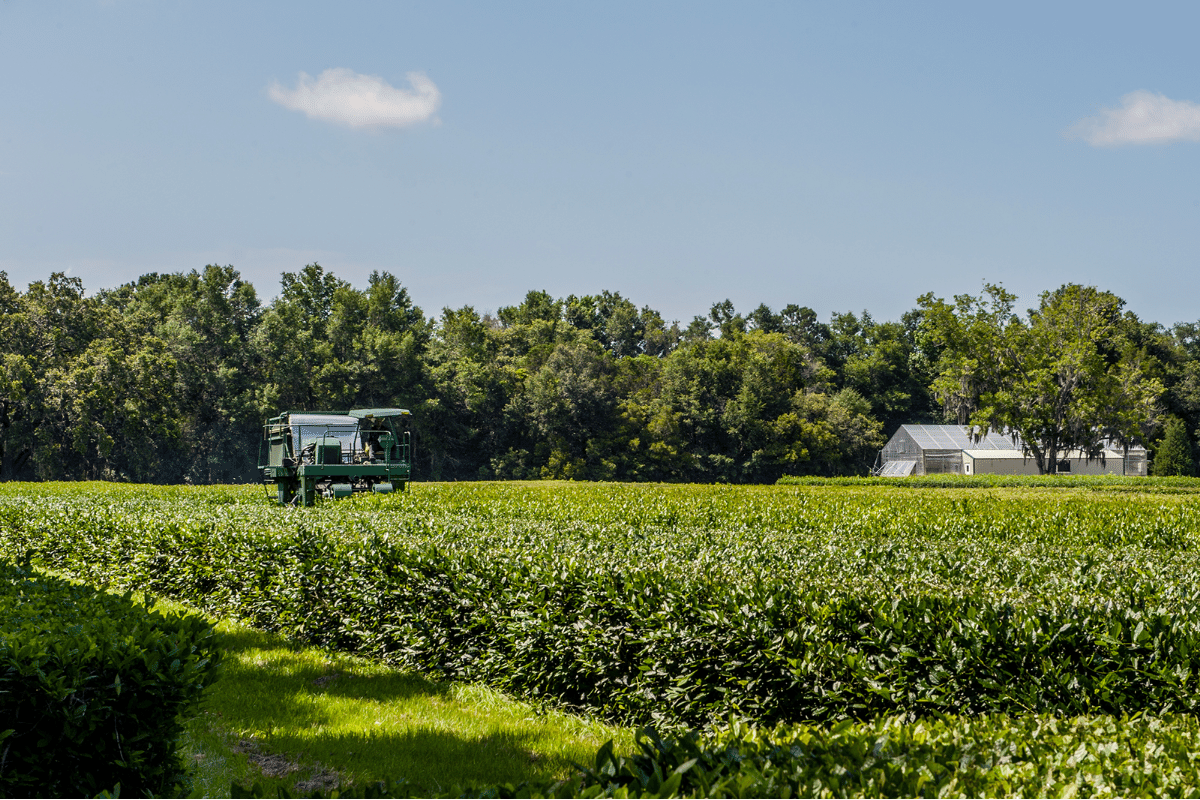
169,378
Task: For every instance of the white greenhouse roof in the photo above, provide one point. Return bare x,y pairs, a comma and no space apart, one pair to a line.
955,437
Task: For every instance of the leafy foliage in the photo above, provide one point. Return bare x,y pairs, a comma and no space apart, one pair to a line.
91,689
681,606
1128,484
1174,453
1070,378
167,379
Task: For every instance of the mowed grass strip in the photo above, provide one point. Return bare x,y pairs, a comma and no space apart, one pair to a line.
304,719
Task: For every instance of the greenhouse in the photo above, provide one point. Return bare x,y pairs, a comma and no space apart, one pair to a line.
951,449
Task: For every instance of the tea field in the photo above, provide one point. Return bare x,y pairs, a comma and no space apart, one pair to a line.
799,609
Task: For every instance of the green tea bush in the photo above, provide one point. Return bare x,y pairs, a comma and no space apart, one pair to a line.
92,686
1100,483
1032,756
989,756
680,605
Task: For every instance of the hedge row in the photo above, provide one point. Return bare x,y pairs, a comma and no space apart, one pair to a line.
92,687
1112,483
646,642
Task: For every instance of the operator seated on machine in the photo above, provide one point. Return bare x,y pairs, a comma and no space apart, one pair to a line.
372,449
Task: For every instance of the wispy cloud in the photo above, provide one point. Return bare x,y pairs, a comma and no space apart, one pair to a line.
1143,118
360,101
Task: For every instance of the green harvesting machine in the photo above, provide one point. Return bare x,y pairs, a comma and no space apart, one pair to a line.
311,455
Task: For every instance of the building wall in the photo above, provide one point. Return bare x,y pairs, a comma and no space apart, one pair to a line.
901,447
1002,466
941,462
981,465
1110,466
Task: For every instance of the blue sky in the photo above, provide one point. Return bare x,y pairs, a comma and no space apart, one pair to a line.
841,156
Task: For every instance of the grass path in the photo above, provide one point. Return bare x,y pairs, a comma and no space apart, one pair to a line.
304,718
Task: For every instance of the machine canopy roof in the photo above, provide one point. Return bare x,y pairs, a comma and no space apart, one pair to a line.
322,419
360,413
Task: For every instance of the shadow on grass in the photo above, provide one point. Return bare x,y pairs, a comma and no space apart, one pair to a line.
304,715
260,657
426,758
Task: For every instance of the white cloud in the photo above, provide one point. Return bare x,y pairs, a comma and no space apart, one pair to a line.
360,101
1143,118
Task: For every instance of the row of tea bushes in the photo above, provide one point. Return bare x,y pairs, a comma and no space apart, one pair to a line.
849,608
1025,545
92,686
989,756
1096,483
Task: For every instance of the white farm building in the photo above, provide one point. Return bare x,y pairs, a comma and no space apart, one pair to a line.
940,449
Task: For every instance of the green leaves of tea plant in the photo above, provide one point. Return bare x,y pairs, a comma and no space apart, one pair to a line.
680,605
91,688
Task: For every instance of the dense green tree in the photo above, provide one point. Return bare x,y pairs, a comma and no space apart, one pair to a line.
1067,378
46,330
658,339
700,329
800,324
751,407
616,324
1173,456
111,408
538,306
650,430
169,378
726,321
206,321
1180,354
327,345
572,408
293,344
20,404
785,420
462,421
881,363
97,394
